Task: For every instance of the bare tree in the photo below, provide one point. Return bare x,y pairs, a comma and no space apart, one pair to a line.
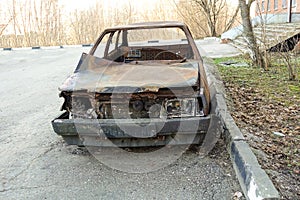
292,63
277,48
47,19
258,57
211,17
85,26
25,17
13,14
193,18
40,22
4,26
212,10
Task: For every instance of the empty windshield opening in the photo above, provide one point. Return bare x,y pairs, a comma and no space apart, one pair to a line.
145,45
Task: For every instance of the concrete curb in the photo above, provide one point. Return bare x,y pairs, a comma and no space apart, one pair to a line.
254,181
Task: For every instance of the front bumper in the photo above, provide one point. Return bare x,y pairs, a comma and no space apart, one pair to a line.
131,132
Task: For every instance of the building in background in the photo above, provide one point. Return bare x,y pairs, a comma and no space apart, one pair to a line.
276,25
277,11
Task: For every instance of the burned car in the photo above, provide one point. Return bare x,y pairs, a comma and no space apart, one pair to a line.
140,85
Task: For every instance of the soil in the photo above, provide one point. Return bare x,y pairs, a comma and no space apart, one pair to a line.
266,107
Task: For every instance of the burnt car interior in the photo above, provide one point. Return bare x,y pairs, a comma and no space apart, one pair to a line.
128,45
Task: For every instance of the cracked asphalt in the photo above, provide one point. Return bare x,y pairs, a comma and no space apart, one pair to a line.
35,163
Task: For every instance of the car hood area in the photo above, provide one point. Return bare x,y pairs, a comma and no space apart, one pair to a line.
103,76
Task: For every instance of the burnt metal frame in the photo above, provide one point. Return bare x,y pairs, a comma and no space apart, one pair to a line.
66,127
151,25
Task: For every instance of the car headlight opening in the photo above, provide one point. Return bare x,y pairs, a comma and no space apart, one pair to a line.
181,107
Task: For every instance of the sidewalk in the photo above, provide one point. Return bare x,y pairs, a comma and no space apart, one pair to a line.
212,48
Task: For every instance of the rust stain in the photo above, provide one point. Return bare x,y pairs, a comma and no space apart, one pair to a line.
97,74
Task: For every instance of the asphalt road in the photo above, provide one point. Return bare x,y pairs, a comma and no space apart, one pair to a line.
35,163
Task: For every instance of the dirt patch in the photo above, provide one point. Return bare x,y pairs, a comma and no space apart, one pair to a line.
266,107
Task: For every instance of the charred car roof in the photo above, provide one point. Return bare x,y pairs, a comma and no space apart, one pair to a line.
146,25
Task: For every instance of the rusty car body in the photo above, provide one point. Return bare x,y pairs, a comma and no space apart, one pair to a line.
140,85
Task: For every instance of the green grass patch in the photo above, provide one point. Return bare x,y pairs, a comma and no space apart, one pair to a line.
273,84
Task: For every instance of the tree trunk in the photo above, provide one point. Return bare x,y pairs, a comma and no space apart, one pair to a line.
256,56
